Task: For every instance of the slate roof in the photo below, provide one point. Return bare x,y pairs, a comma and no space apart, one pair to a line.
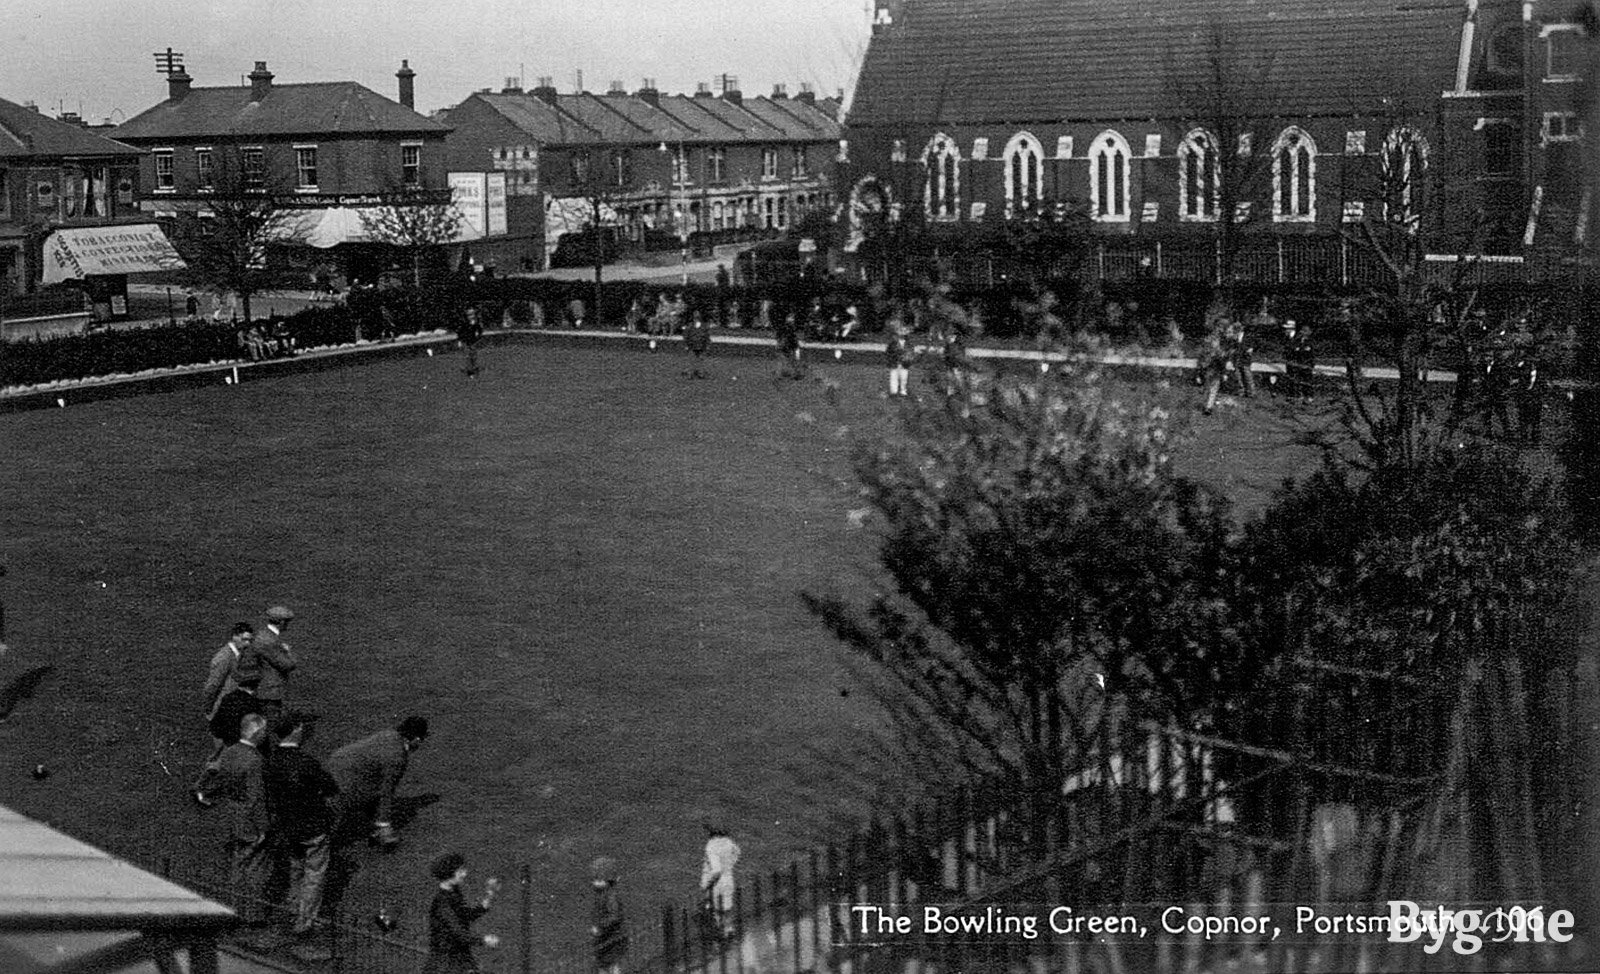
789,115
544,124
747,121
812,115
26,132
663,127
609,124
978,61
707,123
587,119
314,108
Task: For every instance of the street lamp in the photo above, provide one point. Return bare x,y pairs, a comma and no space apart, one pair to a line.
680,176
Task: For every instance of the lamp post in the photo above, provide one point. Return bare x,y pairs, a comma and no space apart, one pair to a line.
680,172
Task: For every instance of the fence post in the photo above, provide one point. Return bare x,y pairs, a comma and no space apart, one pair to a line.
794,911
738,932
775,907
816,912
666,936
833,905
692,936
525,926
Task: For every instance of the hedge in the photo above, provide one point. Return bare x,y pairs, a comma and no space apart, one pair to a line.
38,361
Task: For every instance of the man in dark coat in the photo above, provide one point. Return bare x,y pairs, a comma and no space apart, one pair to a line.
298,791
269,661
237,779
450,919
224,725
367,773
697,339
787,332
1300,360
468,330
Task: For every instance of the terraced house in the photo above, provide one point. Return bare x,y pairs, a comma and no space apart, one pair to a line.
1238,139
662,169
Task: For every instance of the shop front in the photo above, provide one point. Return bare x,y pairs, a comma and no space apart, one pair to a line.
99,259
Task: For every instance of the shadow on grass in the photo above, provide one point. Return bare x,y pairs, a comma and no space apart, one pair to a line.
408,807
22,688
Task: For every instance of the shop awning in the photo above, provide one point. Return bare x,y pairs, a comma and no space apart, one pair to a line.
74,254
333,225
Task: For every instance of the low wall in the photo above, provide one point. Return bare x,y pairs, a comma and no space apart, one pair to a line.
724,345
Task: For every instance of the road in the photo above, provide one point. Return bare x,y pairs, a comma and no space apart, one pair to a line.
701,271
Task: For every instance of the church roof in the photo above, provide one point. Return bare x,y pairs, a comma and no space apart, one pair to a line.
1019,61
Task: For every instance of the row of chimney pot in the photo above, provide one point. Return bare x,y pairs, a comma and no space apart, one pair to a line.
649,93
178,83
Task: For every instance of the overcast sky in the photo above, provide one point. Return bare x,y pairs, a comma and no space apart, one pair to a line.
95,55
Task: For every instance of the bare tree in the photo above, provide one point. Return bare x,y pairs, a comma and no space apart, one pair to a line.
227,243
599,178
1227,93
1423,187
414,221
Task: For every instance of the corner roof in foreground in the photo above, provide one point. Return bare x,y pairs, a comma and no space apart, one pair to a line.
55,882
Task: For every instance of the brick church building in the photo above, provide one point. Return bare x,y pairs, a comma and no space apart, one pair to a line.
1238,138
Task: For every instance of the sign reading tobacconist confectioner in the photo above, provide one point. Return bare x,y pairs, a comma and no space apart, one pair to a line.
72,255
481,199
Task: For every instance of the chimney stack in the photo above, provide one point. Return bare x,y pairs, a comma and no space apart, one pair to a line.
545,91
513,86
617,89
780,91
702,89
408,84
178,84
649,94
730,89
806,94
260,81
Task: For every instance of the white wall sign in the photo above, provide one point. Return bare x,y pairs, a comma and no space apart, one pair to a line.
469,192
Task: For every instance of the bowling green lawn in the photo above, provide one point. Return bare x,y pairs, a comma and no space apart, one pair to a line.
583,567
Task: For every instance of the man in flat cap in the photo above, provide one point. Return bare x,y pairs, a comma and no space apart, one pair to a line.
368,772
270,660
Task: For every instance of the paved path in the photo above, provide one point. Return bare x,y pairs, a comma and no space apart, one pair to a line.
666,272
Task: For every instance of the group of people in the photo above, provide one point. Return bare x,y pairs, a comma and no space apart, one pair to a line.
1504,372
288,811
261,341
1227,356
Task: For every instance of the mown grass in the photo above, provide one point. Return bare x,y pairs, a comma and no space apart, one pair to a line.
581,566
